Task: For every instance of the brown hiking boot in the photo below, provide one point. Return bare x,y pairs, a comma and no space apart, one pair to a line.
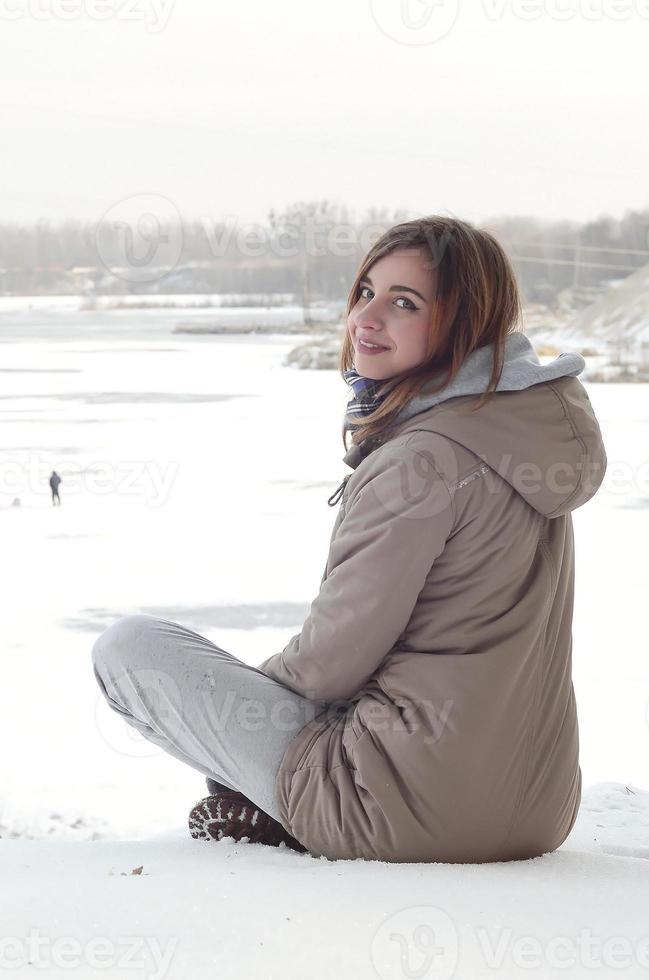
231,814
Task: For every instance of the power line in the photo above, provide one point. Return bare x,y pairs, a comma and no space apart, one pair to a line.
577,245
579,262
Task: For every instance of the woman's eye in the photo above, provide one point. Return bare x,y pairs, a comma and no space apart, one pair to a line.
412,305
405,298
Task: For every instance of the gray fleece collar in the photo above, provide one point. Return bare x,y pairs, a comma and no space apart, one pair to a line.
521,368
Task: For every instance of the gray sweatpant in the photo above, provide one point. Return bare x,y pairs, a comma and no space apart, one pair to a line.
199,703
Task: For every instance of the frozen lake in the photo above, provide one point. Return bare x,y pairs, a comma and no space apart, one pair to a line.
196,471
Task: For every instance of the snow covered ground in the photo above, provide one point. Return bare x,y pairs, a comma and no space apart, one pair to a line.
196,472
176,908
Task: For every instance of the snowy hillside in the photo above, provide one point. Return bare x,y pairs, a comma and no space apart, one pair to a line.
620,317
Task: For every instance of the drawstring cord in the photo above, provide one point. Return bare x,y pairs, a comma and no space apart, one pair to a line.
353,456
338,492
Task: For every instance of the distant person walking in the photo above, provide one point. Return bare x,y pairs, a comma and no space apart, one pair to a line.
55,479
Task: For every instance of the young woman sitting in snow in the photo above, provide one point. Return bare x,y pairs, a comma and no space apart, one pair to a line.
425,711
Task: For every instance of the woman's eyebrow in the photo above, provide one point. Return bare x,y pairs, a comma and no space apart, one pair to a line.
397,289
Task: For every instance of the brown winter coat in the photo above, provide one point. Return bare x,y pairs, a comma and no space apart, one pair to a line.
443,628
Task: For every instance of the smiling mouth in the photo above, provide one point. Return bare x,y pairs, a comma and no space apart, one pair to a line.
372,347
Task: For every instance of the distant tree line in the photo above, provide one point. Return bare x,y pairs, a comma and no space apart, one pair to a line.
310,250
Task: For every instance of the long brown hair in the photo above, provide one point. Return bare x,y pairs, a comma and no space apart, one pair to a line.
477,302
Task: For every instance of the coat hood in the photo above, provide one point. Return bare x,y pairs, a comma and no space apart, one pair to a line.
538,431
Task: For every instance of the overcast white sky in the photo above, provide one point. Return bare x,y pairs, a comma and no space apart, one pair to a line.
229,109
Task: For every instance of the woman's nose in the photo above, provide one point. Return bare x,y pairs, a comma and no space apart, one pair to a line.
369,318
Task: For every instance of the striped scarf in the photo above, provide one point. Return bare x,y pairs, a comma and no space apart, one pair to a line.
366,395
365,399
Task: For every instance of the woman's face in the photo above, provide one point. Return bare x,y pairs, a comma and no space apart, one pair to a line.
394,311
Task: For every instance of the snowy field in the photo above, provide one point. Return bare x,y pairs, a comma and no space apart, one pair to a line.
196,472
